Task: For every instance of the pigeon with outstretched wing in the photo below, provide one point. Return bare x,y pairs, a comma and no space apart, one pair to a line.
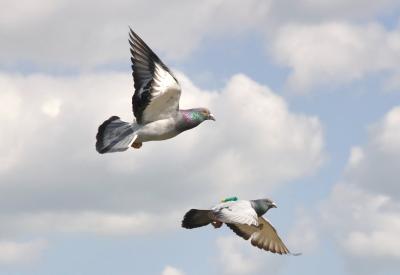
245,219
155,105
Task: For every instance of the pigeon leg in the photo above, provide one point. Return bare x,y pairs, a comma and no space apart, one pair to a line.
136,145
216,224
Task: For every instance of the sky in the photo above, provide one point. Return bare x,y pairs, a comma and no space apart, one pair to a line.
306,94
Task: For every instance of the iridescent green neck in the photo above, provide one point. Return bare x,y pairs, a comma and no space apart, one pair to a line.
196,116
192,116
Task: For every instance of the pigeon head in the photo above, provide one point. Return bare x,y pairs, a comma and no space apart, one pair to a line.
197,116
261,206
193,117
202,114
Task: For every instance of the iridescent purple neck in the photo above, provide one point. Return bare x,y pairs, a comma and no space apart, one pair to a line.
189,119
186,115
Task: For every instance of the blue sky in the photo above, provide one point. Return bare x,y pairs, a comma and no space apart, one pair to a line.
307,101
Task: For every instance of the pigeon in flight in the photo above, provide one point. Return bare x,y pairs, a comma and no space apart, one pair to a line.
244,218
155,105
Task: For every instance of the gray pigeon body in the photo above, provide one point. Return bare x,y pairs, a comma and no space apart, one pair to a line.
155,105
245,219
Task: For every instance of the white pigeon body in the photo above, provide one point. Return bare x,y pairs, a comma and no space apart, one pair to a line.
158,130
239,211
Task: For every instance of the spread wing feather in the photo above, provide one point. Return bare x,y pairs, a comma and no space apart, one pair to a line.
263,236
157,91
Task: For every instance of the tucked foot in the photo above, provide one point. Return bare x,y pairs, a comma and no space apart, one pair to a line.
216,224
136,145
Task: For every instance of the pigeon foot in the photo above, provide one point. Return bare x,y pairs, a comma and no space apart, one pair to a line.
136,145
216,224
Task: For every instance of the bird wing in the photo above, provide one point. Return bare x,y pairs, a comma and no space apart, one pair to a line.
157,91
240,212
264,236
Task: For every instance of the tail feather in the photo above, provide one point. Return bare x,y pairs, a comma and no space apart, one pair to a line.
196,218
114,135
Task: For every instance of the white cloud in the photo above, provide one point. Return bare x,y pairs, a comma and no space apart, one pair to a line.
51,107
362,211
267,132
303,235
377,243
322,10
356,156
335,52
21,252
169,270
365,227
25,12
377,169
393,82
387,134
100,223
43,34
63,176
232,260
99,36
10,113
237,256
10,103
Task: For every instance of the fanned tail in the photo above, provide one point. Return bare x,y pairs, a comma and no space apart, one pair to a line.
114,135
196,218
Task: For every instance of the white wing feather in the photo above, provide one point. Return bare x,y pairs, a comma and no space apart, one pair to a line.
165,92
239,212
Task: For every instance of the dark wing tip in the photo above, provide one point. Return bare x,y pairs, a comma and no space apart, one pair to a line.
131,32
295,254
100,134
134,37
138,44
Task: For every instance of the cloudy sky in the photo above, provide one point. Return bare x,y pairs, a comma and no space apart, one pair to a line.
307,99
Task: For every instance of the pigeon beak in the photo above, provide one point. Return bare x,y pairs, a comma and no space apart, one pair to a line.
273,205
211,117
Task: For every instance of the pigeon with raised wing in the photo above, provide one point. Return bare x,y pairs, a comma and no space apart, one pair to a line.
155,105
244,218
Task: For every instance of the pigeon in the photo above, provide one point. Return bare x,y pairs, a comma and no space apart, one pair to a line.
155,105
244,217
